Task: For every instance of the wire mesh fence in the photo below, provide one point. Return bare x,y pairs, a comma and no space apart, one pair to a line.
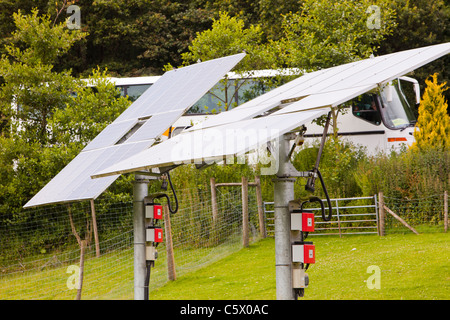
426,214
40,255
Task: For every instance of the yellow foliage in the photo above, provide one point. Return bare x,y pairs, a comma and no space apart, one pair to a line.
433,124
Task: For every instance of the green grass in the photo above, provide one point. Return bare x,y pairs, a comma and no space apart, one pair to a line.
413,267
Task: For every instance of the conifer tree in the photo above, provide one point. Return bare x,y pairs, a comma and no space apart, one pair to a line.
433,124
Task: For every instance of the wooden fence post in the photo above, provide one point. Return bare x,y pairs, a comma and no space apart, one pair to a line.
83,245
245,233
171,273
445,210
94,226
215,210
260,204
400,219
382,214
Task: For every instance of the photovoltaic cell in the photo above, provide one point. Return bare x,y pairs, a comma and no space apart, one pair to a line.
155,126
111,134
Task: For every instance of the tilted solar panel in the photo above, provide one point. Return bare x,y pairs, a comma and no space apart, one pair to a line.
134,130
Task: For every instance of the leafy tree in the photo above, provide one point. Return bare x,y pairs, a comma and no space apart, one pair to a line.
135,37
433,122
48,116
328,33
32,91
228,35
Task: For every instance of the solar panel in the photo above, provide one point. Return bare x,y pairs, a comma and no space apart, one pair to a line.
111,134
136,129
325,99
214,138
214,143
75,179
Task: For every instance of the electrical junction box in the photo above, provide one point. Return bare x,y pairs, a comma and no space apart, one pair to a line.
300,278
150,253
304,253
153,211
154,234
302,221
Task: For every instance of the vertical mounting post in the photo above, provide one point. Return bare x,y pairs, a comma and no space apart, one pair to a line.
140,191
283,193
381,213
245,226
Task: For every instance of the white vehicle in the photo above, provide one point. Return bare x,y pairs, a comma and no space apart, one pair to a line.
380,121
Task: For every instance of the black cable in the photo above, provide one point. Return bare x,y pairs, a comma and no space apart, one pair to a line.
167,197
174,194
322,207
147,279
328,198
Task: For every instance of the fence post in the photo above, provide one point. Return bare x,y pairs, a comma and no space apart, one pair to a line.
245,239
445,210
260,204
338,218
80,285
212,182
94,226
382,213
171,273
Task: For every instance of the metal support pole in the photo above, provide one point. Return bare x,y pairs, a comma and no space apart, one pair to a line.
283,193
140,191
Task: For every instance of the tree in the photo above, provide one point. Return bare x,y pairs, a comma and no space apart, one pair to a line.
329,33
228,35
433,124
32,91
48,116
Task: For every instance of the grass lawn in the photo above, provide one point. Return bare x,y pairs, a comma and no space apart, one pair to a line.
413,267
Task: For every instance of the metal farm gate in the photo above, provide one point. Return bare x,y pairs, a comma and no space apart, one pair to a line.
358,215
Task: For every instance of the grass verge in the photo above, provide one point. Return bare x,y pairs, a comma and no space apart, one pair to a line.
413,267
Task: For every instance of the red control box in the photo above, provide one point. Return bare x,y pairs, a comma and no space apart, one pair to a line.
154,234
153,211
302,221
304,253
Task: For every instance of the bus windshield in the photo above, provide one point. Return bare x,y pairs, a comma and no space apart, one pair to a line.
396,113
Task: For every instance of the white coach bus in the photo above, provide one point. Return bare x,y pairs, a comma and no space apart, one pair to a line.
380,121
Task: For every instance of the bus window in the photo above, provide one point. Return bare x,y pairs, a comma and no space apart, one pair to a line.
396,111
133,91
365,107
238,92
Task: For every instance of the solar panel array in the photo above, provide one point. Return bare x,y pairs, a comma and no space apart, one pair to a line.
317,90
135,130
214,144
124,145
